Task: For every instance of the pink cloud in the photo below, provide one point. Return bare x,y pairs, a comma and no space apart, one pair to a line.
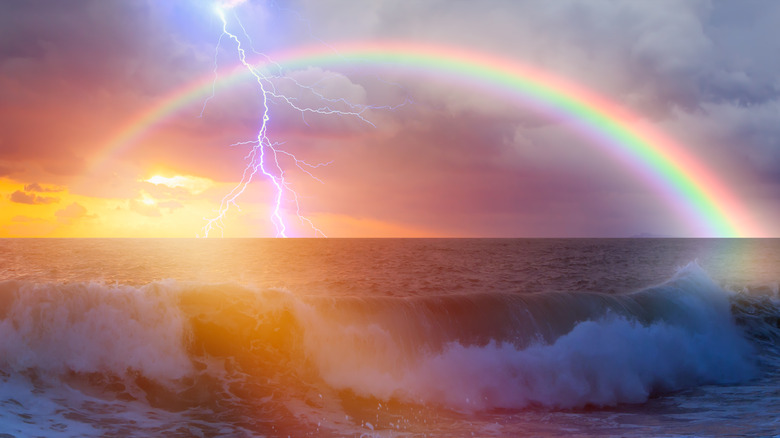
71,213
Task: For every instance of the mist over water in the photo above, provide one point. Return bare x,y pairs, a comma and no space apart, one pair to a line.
391,337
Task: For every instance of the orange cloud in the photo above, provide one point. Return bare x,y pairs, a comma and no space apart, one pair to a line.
71,213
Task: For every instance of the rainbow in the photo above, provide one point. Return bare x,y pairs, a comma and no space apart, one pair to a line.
701,198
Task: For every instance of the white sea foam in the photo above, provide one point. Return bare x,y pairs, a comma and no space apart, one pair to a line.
685,336
613,359
94,327
599,363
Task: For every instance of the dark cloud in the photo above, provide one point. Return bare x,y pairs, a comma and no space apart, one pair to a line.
21,197
74,73
96,45
467,172
758,128
653,56
745,71
710,69
35,187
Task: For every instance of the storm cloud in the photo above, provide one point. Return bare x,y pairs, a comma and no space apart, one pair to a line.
449,156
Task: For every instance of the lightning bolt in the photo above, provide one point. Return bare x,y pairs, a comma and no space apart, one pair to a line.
265,156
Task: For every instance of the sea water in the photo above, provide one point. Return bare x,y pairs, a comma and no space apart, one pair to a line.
389,337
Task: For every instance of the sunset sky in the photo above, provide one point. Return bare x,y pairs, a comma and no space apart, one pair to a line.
433,157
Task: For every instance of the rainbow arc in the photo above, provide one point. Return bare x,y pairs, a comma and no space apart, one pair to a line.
692,190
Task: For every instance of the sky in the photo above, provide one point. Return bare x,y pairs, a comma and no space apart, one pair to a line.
429,157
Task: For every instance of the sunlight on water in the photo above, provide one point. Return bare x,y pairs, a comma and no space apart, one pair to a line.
389,337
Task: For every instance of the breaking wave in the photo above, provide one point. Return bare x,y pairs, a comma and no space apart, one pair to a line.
233,349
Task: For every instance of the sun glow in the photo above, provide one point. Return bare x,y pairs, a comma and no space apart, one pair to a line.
192,184
148,200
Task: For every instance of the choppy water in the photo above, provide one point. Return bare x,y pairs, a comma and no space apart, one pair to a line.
389,337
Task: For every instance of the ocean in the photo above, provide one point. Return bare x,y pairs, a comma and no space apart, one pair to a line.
389,337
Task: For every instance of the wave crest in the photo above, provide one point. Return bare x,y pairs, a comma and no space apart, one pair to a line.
465,352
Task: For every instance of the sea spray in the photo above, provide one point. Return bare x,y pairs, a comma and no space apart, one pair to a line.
266,360
93,327
687,338
461,351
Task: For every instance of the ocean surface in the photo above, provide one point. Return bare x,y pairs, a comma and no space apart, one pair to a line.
389,337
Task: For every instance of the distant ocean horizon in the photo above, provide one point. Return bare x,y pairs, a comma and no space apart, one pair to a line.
643,336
